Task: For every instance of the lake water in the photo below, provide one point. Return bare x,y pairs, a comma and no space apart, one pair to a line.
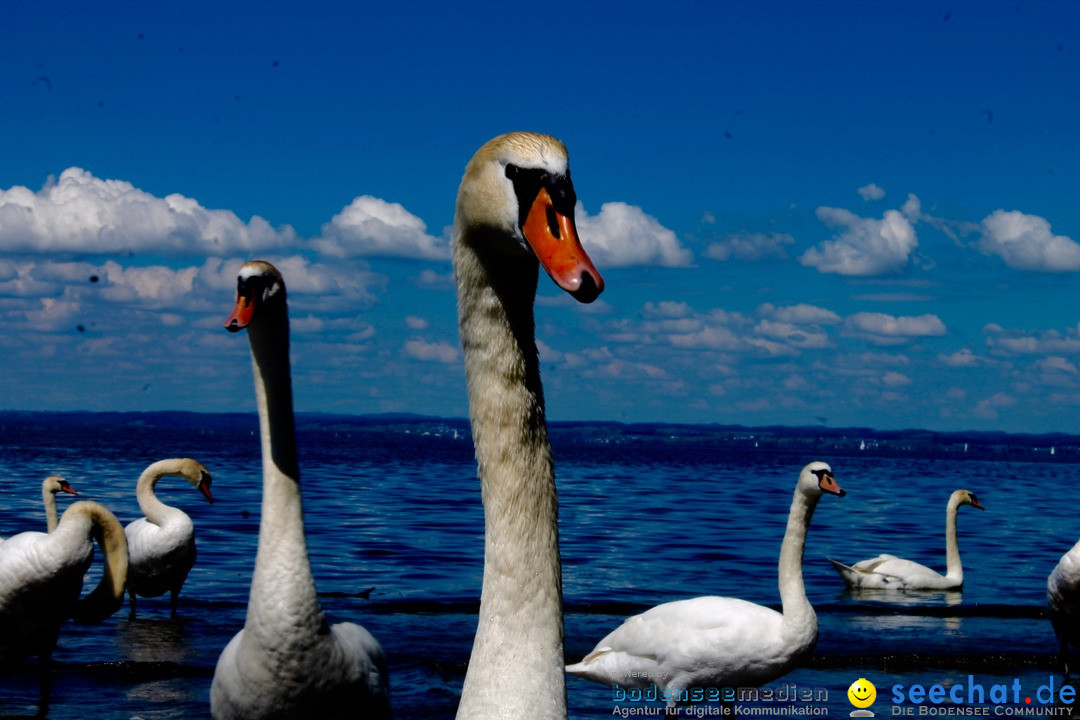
648,514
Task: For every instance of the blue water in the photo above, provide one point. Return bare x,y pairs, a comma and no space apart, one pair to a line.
648,514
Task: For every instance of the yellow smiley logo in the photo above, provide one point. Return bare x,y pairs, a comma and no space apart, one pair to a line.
862,693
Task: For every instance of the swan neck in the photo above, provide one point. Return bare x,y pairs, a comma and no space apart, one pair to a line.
954,568
108,596
282,585
151,507
798,613
48,498
516,667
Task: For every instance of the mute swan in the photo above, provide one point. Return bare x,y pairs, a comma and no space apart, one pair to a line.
161,546
287,662
716,642
515,210
49,487
893,573
41,577
1063,601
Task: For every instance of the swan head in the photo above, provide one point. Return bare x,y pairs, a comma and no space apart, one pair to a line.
54,484
965,497
196,473
518,186
258,285
817,478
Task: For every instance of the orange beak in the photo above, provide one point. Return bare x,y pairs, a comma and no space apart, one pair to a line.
241,315
554,238
204,488
828,484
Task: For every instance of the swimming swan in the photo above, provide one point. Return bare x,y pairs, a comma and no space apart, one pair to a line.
287,662
715,642
41,578
515,211
161,546
893,573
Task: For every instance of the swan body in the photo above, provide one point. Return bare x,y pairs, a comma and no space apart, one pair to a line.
41,578
515,211
716,642
287,662
888,572
161,546
1063,601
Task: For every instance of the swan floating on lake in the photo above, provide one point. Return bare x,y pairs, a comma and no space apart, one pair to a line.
287,662
718,642
161,546
893,573
515,212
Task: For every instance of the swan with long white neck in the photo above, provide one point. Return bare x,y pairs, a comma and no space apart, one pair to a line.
1063,602
41,578
720,642
161,546
888,572
515,212
287,662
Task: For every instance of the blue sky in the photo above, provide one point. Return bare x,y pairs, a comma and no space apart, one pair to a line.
839,213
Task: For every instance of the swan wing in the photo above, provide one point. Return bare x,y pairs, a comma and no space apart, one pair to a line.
1063,596
868,573
160,556
41,577
701,642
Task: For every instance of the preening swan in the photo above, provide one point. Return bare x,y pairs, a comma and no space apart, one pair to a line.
1063,601
287,662
893,573
41,577
161,546
515,211
714,642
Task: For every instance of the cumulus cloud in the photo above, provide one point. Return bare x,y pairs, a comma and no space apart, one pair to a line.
882,329
865,246
750,246
871,192
416,323
895,379
1048,342
623,235
987,409
370,226
1057,364
440,352
960,359
79,213
800,313
1025,242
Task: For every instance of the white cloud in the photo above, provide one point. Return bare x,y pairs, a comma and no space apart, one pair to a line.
866,246
871,192
800,313
1048,342
1025,242
882,329
667,309
960,359
623,235
370,226
895,379
987,409
750,246
79,213
1057,364
440,352
416,323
